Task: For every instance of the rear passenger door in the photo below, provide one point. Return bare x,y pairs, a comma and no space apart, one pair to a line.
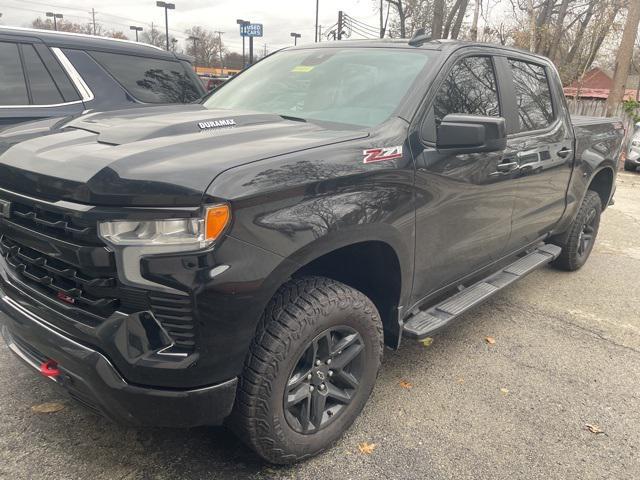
33,85
541,141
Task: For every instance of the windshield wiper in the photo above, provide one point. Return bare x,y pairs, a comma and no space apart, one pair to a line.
294,119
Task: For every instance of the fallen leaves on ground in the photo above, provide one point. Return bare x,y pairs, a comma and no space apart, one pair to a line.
490,340
50,407
406,384
461,380
594,428
427,341
504,391
366,448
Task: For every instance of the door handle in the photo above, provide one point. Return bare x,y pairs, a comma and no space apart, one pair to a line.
507,167
565,152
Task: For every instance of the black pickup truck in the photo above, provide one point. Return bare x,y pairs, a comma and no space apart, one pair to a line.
246,260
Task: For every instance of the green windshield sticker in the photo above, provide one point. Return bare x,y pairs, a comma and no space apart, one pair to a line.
302,69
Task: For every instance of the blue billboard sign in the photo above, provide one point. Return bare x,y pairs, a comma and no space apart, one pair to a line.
251,30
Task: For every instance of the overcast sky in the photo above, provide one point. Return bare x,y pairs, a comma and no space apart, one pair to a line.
280,17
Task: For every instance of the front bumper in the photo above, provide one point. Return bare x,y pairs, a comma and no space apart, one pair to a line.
89,377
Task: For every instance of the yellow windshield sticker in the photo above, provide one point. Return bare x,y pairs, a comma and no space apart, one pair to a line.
302,69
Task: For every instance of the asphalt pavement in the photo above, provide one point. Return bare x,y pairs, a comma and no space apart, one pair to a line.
556,396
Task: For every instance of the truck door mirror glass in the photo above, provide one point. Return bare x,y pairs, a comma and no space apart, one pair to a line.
471,134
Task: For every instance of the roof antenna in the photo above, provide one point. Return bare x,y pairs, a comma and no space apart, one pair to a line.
419,38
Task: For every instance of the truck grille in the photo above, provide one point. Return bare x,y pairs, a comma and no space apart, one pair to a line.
60,255
53,223
97,295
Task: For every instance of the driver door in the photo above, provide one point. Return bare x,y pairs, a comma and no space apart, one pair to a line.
464,202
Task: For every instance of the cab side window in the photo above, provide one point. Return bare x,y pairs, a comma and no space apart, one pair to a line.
43,90
533,95
13,87
470,88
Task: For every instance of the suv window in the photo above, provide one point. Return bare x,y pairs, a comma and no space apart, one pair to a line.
13,89
470,88
150,80
533,95
43,90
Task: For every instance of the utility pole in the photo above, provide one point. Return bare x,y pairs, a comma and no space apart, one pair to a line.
381,19
220,45
93,16
137,29
167,7
340,22
319,33
317,11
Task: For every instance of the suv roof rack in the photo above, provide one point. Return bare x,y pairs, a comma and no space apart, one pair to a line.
419,38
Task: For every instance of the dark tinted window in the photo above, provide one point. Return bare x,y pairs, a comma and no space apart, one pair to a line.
43,89
13,90
59,75
470,89
533,96
150,80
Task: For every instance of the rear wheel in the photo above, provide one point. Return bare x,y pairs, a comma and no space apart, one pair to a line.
579,241
630,167
310,370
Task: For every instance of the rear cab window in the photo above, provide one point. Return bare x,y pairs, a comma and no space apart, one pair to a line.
150,80
533,95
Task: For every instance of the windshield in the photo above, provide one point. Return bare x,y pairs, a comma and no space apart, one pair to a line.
358,86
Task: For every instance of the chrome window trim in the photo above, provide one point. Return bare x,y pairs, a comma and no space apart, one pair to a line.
85,92
81,35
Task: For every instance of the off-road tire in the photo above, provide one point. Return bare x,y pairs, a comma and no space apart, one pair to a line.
570,259
299,311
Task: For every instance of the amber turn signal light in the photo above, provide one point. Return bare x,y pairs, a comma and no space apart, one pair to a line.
216,220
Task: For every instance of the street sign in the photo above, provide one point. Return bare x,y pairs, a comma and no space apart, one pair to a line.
251,30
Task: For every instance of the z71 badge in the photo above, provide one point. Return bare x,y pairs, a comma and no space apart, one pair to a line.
381,154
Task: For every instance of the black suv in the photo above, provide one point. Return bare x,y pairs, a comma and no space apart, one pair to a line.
52,74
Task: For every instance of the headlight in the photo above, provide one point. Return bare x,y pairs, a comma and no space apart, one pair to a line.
131,240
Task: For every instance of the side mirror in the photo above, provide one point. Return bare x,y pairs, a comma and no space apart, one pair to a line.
471,134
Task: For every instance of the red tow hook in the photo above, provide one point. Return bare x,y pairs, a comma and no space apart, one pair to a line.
49,369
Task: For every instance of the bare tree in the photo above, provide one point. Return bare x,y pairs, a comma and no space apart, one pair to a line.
208,47
623,59
402,17
454,19
473,33
438,19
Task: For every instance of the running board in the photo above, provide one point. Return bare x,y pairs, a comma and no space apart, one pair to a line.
426,322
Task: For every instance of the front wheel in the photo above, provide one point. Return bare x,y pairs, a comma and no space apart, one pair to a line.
581,237
310,370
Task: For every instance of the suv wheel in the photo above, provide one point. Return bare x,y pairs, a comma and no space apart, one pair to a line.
579,241
630,167
310,369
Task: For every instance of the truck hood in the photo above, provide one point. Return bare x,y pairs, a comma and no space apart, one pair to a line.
155,156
